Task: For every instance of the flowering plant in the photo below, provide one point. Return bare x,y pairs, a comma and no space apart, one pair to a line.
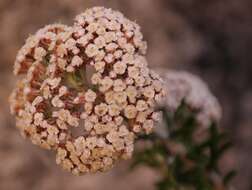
86,93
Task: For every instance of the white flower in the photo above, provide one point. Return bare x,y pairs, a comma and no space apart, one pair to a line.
39,53
90,96
106,84
101,31
133,72
61,50
118,54
92,27
54,82
140,81
118,120
76,61
131,92
91,50
62,91
88,125
109,37
141,117
99,66
88,107
56,102
149,92
101,109
130,111
119,85
119,68
112,136
136,128
100,55
100,42
148,126
37,100
109,58
129,48
123,131
96,78
73,121
141,105
114,110
83,41
185,86
120,97
38,118
62,63
109,97
111,47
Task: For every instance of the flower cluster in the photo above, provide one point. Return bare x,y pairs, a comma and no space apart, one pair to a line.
183,86
87,91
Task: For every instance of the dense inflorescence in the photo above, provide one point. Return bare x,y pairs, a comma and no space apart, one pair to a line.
86,90
182,86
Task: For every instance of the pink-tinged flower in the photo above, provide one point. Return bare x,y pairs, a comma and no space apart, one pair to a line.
86,90
183,86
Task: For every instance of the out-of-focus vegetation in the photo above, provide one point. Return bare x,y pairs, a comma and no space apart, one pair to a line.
188,158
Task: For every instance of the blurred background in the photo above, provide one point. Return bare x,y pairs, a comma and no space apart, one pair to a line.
210,38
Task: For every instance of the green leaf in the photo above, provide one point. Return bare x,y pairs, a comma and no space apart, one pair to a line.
190,168
229,176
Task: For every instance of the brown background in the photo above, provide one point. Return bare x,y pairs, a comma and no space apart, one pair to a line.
211,38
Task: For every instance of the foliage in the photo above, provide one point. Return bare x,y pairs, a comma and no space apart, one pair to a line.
188,158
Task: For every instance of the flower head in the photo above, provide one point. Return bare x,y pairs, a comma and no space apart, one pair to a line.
92,77
183,86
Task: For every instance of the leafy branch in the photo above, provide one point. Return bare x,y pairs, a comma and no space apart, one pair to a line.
188,159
